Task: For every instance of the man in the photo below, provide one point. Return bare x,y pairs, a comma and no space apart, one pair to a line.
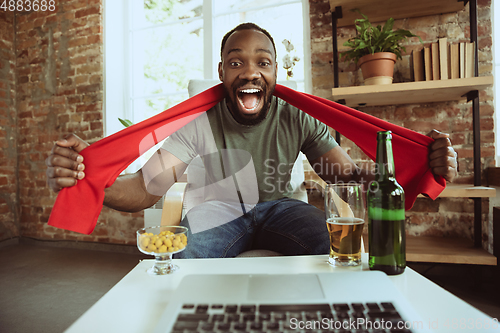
248,144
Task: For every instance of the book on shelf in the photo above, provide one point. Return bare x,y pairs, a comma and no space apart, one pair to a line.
435,61
454,61
462,60
427,63
469,60
443,58
417,65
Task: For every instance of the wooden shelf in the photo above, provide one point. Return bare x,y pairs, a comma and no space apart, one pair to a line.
411,92
451,190
467,191
443,250
420,249
378,10
446,250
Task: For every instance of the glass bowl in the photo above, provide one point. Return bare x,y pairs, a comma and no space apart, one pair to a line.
162,242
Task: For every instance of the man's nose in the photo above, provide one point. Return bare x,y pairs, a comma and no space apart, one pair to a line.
250,72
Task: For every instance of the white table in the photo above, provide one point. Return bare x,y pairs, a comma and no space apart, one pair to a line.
136,303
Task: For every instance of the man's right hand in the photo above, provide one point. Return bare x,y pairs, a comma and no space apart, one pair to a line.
64,164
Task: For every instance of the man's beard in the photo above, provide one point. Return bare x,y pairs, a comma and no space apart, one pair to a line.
232,102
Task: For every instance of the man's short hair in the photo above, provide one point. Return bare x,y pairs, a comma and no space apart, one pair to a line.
247,26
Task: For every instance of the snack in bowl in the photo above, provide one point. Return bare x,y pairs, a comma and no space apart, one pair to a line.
165,242
162,242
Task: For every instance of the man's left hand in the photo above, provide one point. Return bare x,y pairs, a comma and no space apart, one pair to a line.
442,156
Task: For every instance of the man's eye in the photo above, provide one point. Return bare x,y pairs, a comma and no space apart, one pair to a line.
265,64
235,63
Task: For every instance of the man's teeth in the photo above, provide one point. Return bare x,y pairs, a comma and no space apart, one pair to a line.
250,91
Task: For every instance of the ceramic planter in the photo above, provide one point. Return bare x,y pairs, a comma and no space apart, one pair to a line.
378,68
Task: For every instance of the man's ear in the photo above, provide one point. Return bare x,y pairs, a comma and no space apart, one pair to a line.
220,71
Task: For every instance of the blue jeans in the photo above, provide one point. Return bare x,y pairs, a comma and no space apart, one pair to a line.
287,226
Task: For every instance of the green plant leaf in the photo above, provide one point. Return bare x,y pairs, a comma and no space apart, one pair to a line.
125,122
370,39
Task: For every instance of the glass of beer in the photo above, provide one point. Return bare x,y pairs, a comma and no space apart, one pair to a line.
345,218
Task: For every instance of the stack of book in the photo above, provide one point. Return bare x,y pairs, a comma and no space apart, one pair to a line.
442,60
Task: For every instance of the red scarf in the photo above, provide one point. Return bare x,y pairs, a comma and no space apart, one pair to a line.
77,208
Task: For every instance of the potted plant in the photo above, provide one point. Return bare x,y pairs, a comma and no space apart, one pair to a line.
376,49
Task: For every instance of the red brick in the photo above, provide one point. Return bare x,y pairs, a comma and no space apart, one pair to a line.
4,209
25,26
63,91
487,137
457,138
95,125
84,108
89,69
485,42
424,112
486,110
487,124
89,88
81,79
51,19
76,23
487,151
73,5
74,42
460,125
426,126
91,116
78,60
69,16
88,11
464,152
74,99
27,114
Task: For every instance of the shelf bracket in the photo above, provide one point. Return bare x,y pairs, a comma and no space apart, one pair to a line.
471,95
336,14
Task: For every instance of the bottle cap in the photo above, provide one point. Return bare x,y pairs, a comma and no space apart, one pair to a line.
384,135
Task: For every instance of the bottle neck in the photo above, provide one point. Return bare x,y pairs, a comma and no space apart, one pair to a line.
385,160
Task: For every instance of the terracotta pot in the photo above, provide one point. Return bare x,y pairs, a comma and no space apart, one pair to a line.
378,68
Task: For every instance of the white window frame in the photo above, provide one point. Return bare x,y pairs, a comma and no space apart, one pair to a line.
117,68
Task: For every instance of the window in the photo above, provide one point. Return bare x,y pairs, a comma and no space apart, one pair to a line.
154,47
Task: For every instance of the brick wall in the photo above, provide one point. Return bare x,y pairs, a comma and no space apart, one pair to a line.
51,83
59,71
9,211
445,216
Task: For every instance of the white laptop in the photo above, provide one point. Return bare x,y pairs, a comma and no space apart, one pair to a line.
365,301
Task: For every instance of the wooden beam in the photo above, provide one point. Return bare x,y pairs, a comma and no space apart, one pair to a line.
379,11
446,250
411,92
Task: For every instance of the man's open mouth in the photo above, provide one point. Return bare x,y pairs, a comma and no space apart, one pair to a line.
249,98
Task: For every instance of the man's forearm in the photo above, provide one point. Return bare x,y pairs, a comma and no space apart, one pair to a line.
128,194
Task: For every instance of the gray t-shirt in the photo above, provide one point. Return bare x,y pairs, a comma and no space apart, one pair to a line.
259,156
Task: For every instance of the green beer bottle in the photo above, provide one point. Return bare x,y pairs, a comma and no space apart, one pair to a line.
386,213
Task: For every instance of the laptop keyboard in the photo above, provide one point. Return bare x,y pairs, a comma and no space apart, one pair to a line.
337,318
